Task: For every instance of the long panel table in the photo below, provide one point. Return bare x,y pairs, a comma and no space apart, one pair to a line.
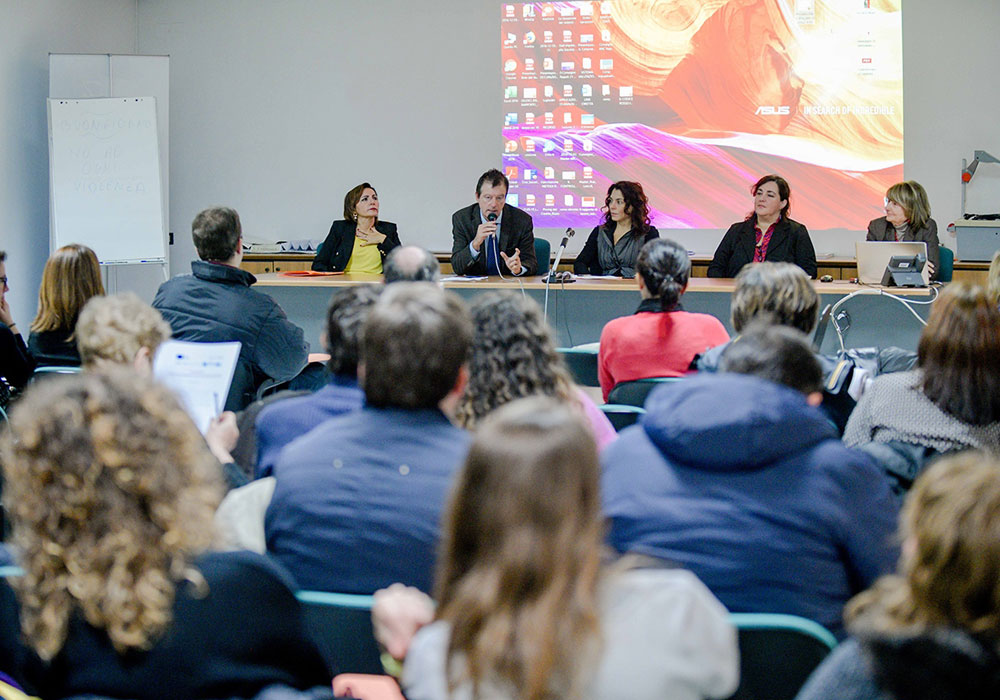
578,311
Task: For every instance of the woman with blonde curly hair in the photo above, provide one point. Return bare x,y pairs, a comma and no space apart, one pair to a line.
72,275
932,630
514,356
527,608
111,493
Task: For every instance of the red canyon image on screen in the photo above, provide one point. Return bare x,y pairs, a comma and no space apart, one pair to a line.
696,99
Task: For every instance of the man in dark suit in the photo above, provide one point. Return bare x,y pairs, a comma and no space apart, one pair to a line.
491,237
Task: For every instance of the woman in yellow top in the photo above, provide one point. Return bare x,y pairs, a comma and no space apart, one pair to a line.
359,242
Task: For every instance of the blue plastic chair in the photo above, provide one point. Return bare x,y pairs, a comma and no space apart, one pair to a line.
45,370
777,654
622,415
946,263
543,253
582,364
634,393
341,627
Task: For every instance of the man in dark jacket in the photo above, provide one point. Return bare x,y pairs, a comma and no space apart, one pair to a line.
216,304
358,500
743,480
491,237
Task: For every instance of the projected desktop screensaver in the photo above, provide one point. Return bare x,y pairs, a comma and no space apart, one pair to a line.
696,99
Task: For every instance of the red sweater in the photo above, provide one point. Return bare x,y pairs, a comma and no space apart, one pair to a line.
654,344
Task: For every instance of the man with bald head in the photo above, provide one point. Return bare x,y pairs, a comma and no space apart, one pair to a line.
410,263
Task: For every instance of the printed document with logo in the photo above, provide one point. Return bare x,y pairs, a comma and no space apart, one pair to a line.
199,374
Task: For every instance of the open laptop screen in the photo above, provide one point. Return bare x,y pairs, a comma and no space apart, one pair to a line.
873,256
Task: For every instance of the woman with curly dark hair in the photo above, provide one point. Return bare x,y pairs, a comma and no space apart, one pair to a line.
660,339
111,491
613,246
513,356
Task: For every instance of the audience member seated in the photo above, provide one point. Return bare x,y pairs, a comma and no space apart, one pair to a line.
359,242
766,234
513,356
612,247
781,293
15,361
993,279
951,401
123,331
283,421
120,330
739,477
358,499
660,339
908,218
111,492
931,632
527,606
70,278
410,263
216,304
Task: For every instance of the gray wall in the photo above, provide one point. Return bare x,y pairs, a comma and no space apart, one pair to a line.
279,107
29,31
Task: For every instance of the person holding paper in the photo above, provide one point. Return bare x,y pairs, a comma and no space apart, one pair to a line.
359,242
216,304
613,246
121,330
491,237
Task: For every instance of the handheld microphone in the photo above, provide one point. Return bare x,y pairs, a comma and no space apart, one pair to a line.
492,216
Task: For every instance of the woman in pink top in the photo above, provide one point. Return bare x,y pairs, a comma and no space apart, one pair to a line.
514,356
660,339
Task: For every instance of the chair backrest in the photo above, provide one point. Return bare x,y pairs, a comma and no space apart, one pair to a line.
946,261
543,253
53,369
341,626
777,654
621,415
582,364
634,393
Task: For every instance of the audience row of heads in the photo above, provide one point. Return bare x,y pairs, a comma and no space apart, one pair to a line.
959,349
525,510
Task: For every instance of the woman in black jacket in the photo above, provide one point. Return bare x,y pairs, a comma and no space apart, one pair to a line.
766,234
613,247
359,242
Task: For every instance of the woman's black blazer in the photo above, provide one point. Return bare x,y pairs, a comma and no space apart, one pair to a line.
336,250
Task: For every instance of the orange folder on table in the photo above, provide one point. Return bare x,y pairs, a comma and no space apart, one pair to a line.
308,273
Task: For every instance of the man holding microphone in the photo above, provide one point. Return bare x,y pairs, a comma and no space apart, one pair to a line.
491,237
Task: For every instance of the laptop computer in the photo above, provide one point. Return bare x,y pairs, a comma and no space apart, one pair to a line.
873,256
